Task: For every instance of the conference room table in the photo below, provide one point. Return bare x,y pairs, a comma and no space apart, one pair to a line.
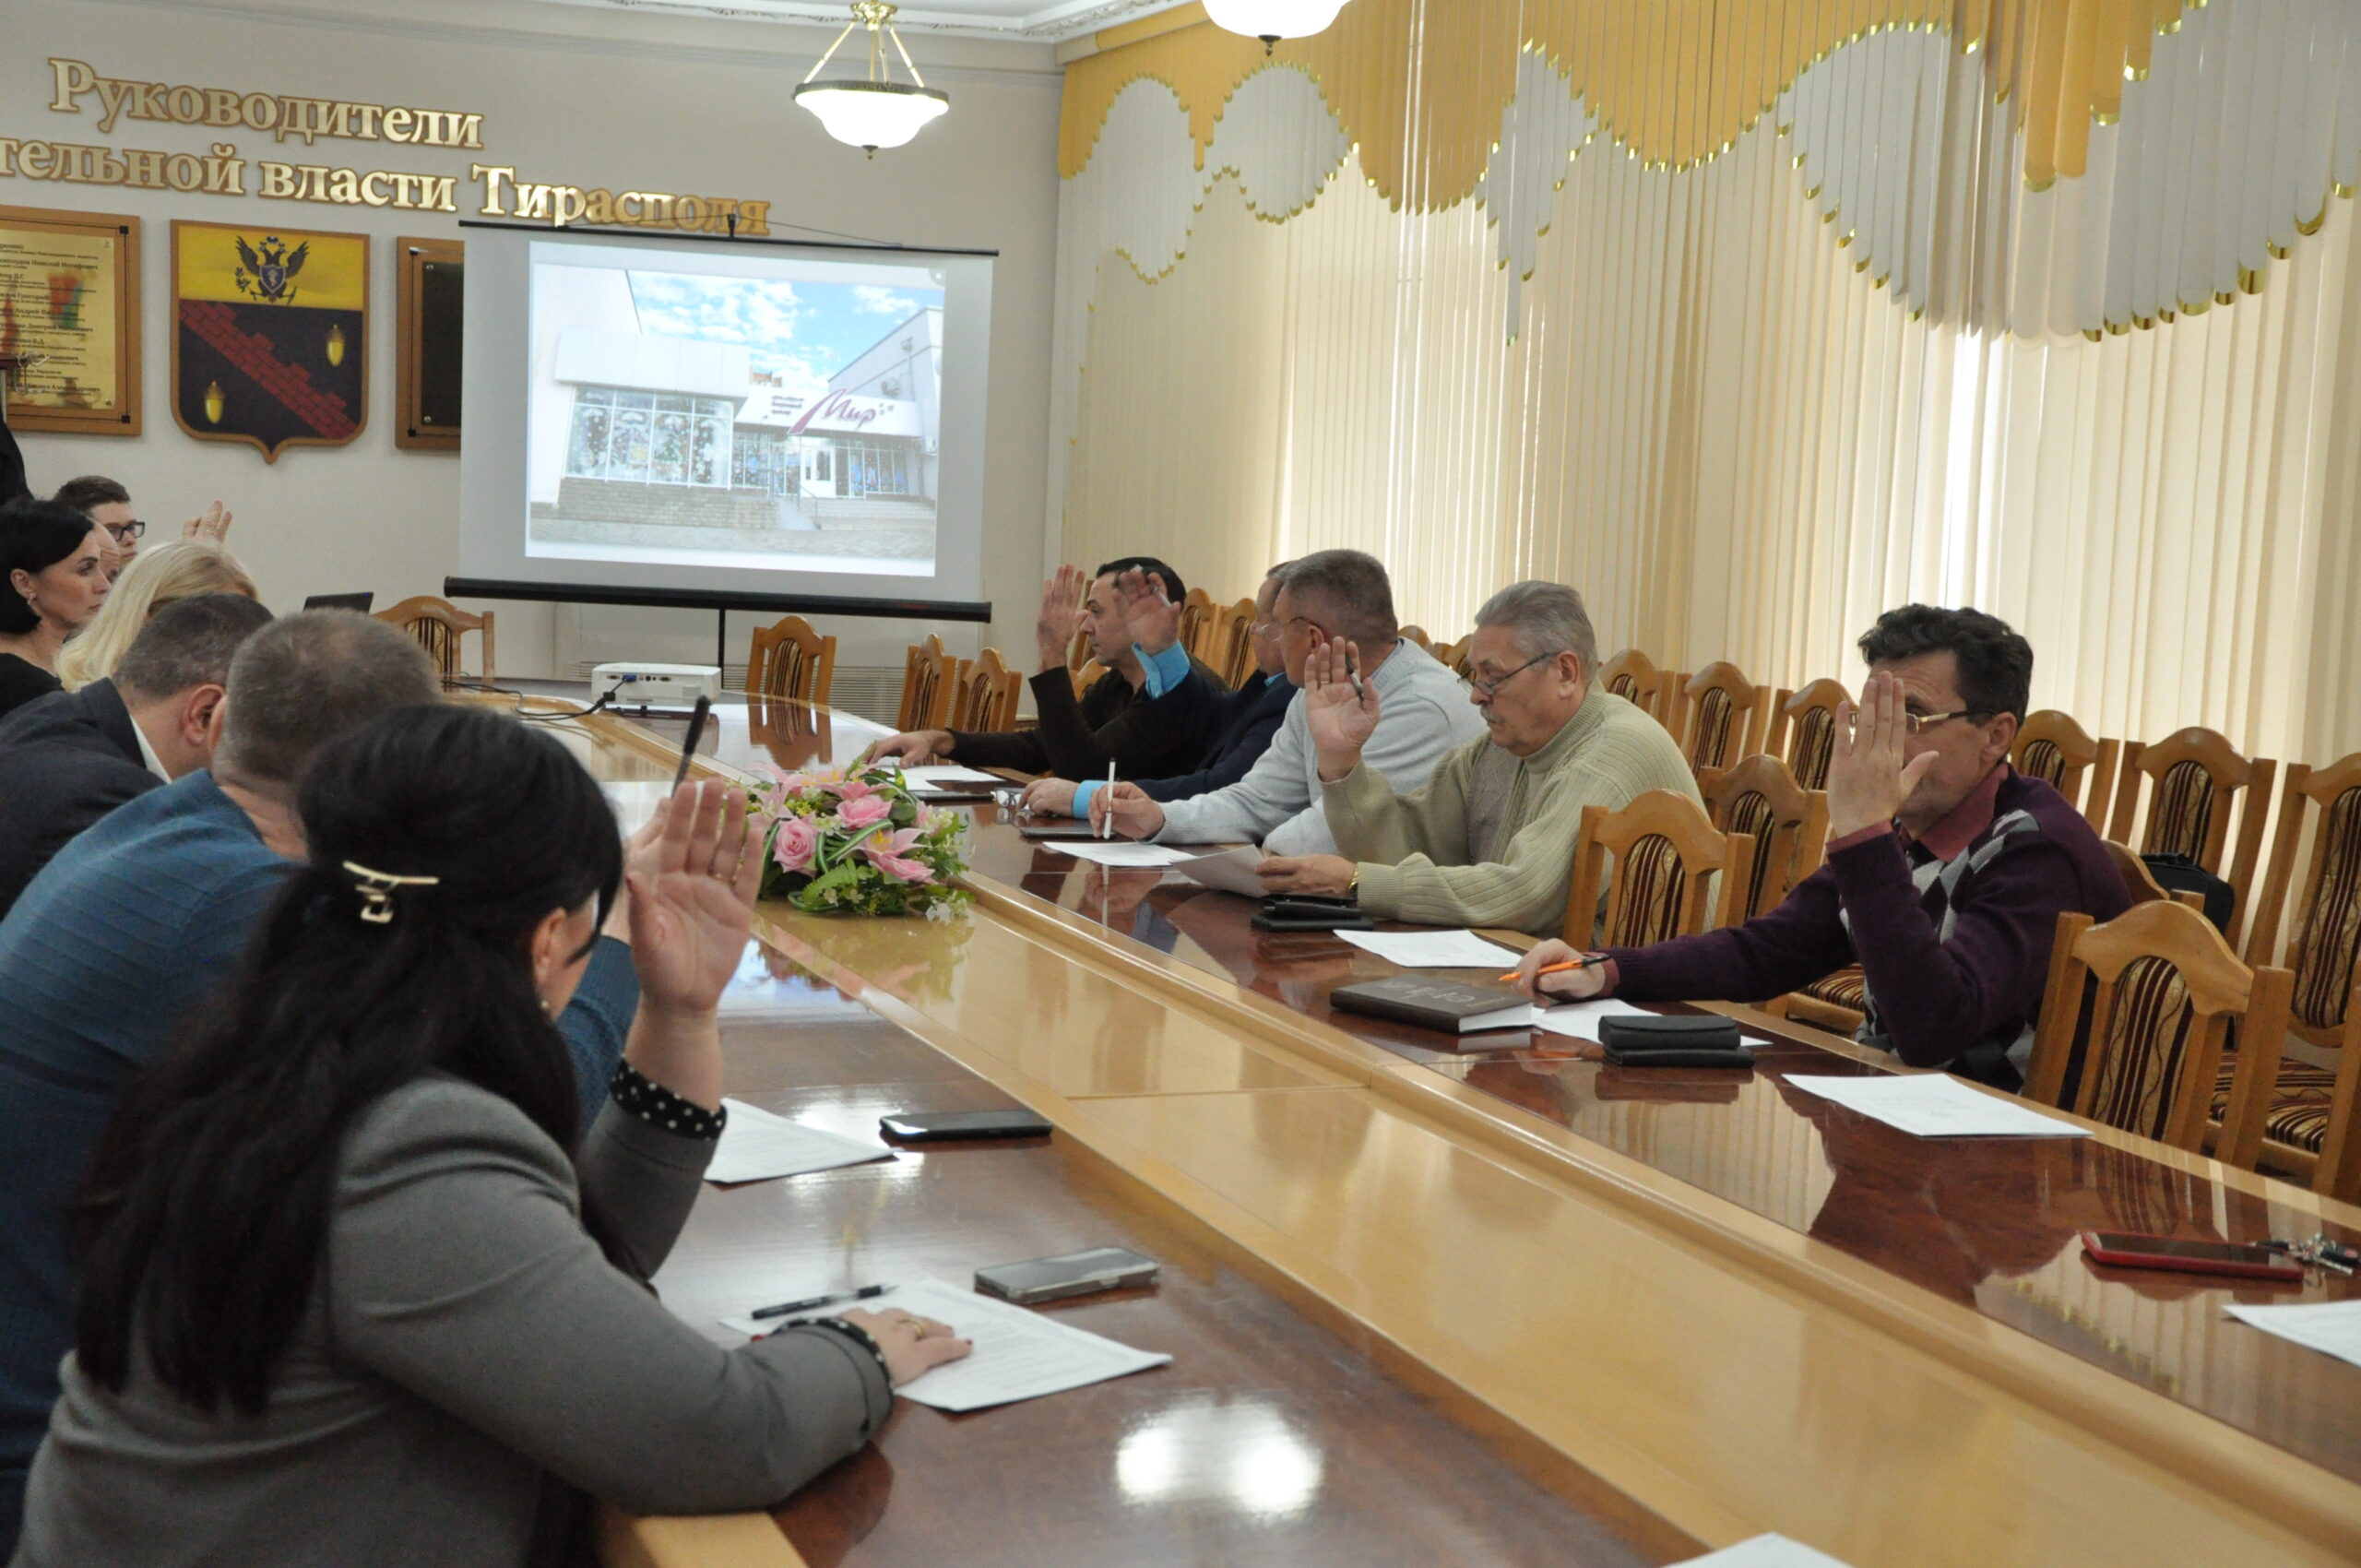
1463,1301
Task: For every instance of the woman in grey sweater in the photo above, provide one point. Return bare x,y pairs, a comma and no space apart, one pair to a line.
351,1294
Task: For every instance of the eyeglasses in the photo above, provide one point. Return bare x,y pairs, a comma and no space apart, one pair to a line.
1489,686
1262,628
126,533
1918,723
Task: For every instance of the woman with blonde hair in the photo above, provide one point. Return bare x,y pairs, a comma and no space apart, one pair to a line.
183,569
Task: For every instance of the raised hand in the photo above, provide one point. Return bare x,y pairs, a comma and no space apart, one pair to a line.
910,748
1060,615
1339,709
693,900
1152,618
1869,777
1125,811
1048,797
212,525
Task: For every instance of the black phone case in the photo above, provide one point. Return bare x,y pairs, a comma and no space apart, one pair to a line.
950,1125
1679,1056
1340,920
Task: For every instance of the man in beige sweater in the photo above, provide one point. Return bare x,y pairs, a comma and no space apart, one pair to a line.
1490,839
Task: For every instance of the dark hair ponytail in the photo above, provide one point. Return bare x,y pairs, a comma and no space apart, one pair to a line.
206,1208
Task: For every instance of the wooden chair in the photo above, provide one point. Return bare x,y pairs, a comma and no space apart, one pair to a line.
1633,677
2051,747
985,691
1419,634
788,658
2308,1131
2162,990
1089,675
437,624
1788,824
1198,613
2195,781
1667,854
1803,730
929,678
1728,716
1235,643
1454,655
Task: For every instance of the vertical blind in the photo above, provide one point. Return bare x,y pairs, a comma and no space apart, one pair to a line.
1752,318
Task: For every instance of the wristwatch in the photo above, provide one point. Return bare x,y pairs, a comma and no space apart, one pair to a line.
1353,886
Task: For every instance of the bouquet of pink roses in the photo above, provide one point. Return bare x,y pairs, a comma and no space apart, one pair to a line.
853,841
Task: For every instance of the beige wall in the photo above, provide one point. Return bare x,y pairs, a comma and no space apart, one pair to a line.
580,95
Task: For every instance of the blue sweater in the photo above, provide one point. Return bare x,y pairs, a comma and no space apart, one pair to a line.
106,957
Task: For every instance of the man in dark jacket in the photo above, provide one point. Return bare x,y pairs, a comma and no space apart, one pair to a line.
1244,720
69,758
1116,721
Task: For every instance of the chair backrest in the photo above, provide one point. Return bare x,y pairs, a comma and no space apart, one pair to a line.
2163,992
1419,634
1727,715
1453,656
1197,612
929,675
1235,645
1089,675
788,658
1666,855
1787,823
437,624
2196,783
2137,879
1632,676
985,694
1807,730
2051,747
2323,923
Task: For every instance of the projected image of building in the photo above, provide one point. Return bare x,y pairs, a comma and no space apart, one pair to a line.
648,441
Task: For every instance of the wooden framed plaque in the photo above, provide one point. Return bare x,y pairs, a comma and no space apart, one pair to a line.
69,308
431,277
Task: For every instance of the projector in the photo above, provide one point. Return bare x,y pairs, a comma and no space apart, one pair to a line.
656,685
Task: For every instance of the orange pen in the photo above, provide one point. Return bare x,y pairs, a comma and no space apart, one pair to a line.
1590,963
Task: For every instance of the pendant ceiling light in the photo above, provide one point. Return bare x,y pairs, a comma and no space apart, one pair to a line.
1272,21
873,111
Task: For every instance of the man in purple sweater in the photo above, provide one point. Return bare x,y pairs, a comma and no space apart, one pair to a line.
1946,869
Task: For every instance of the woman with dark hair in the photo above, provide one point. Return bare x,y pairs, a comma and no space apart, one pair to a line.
354,1286
54,561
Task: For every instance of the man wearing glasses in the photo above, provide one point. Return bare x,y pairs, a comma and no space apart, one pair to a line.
1946,869
1488,840
106,503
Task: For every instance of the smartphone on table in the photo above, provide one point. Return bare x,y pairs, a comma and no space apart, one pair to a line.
2185,1255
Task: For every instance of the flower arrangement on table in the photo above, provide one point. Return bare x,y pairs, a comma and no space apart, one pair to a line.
854,841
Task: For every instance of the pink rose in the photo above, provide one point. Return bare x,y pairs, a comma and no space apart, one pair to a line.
863,811
796,842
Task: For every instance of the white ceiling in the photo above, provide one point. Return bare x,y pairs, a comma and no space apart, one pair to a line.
1046,21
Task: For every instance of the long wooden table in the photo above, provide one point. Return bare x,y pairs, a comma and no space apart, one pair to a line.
1684,1308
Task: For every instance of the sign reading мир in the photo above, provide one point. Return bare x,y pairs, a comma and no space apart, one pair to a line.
221,171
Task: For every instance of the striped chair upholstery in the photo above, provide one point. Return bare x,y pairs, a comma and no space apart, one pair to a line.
1709,739
2299,1103
2329,941
1674,872
1653,884
2146,1038
1750,812
2043,760
1848,987
2181,816
1815,741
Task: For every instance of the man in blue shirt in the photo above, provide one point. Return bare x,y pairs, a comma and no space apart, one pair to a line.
124,936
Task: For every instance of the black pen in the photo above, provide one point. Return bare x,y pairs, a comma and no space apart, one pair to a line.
863,1294
696,732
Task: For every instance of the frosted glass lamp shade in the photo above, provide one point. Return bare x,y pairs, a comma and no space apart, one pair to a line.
1273,19
871,114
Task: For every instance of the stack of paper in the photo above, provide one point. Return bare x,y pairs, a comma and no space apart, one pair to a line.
1434,949
2334,1328
757,1146
1230,870
944,779
1935,1105
1019,1354
1115,852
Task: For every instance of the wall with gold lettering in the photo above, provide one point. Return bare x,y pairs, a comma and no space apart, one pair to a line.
407,120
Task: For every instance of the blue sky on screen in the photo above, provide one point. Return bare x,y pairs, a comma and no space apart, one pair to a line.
804,331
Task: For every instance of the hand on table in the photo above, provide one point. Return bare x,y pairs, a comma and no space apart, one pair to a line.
1061,616
1048,797
910,748
1868,778
1125,811
1151,618
212,525
1327,876
1571,985
913,1345
1340,718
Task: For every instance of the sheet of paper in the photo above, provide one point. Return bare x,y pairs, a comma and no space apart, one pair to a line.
757,1146
941,776
1764,1552
1935,1105
1116,853
2334,1328
1435,949
1020,1353
1230,870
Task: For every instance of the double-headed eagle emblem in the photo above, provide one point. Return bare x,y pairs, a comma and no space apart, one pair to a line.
271,275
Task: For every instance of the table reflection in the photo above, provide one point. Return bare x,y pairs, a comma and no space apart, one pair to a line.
1241,1452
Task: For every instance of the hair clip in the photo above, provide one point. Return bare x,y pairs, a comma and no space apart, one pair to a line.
377,888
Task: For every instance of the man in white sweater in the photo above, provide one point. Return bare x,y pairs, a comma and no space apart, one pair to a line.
1329,595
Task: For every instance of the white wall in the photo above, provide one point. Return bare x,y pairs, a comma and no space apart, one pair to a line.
577,95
